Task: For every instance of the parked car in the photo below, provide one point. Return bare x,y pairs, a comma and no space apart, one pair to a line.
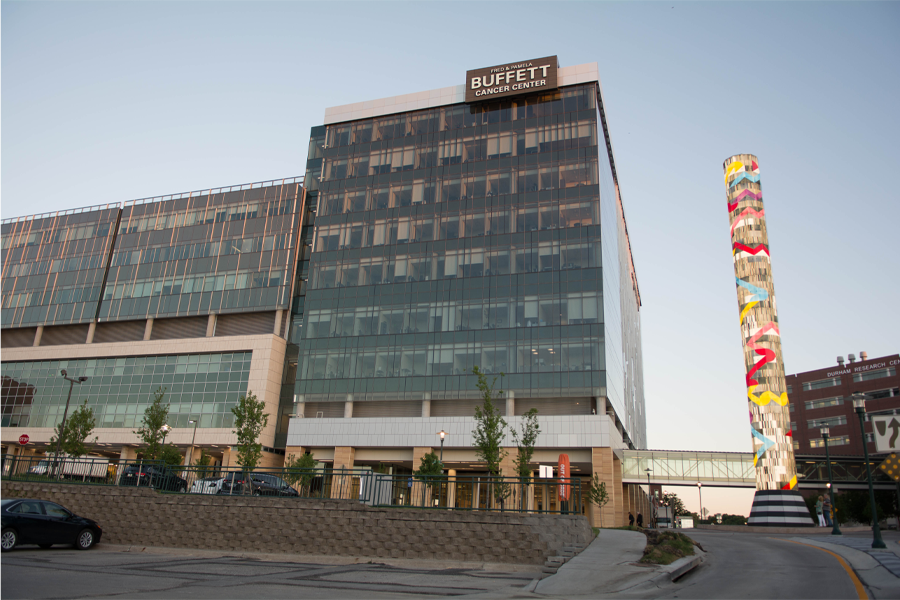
257,484
29,521
154,476
207,485
266,484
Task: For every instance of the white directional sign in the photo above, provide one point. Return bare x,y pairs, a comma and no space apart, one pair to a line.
887,432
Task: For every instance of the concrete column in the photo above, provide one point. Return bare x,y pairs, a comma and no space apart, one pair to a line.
148,329
300,408
618,497
451,488
279,317
37,336
90,335
510,404
348,407
601,405
342,483
426,405
228,457
211,325
603,464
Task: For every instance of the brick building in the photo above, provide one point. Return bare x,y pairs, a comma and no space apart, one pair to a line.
822,398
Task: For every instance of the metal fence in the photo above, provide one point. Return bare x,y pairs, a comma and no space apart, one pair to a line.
374,489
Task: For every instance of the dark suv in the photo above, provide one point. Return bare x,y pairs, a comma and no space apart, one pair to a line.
154,476
257,484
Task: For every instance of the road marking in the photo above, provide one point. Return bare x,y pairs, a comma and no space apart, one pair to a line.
860,588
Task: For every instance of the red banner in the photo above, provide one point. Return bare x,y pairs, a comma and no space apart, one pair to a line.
564,472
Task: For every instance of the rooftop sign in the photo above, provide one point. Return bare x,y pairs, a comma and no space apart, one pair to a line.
511,79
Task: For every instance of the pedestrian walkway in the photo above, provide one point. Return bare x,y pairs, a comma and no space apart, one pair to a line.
888,558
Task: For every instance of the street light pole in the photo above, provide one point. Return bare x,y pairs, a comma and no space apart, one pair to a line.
700,491
859,403
442,433
190,453
165,431
62,427
835,530
649,496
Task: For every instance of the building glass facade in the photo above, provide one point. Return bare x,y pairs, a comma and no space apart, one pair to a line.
230,250
470,235
203,387
54,266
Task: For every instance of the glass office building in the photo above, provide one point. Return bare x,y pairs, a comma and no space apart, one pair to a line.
464,235
190,293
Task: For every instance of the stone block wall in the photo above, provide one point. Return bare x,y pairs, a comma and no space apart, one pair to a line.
140,516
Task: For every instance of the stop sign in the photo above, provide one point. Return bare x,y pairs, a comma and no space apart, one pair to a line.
23,439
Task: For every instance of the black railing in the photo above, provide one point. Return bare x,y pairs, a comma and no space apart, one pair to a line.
484,493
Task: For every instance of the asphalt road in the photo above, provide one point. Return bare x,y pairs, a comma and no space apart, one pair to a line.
743,565
64,573
737,566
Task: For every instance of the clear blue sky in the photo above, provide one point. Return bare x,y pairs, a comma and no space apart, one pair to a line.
104,102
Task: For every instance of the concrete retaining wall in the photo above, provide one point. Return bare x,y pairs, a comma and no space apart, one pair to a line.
140,516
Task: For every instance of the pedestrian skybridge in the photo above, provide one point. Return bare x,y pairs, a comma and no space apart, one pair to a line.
670,467
735,469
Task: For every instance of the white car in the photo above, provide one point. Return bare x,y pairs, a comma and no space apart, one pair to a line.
207,485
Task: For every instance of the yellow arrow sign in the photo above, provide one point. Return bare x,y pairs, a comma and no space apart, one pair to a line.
891,466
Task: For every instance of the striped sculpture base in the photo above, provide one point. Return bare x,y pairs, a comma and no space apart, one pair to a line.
779,508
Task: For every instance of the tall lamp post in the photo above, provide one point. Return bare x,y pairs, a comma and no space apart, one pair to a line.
190,453
443,434
835,530
700,491
859,403
62,427
165,431
649,496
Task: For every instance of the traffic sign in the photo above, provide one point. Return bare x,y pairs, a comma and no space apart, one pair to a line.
891,466
23,439
887,432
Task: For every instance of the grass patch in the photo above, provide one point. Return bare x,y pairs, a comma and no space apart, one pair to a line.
665,547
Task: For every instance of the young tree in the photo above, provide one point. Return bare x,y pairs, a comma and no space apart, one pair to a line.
79,426
300,470
430,467
525,444
598,495
171,455
150,432
672,500
249,421
490,427
202,463
489,432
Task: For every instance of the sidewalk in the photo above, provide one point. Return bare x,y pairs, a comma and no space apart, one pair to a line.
608,566
879,570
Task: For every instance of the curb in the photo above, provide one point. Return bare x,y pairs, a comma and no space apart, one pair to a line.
679,567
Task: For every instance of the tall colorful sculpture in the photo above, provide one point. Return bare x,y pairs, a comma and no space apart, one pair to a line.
777,502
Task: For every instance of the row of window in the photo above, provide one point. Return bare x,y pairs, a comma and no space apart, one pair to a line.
53,295
207,215
425,153
562,175
453,359
58,265
458,116
452,264
828,422
54,235
838,440
187,284
403,230
119,389
528,311
202,250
